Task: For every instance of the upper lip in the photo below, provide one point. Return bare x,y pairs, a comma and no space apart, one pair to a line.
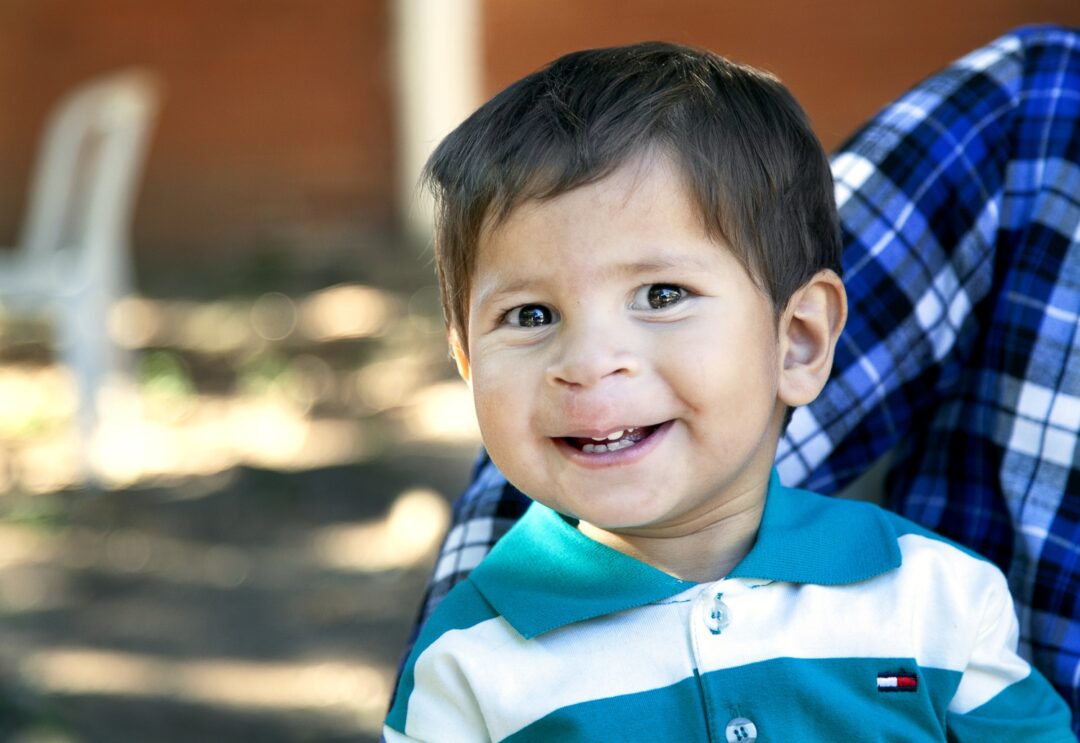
602,433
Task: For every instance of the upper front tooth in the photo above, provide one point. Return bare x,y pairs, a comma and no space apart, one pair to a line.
611,436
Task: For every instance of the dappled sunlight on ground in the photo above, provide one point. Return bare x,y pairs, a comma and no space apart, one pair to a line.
237,599
270,496
416,522
355,692
284,406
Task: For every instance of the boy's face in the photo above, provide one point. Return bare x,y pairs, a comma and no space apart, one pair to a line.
623,364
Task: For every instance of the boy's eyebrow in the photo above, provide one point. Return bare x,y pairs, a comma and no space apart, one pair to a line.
652,266
495,290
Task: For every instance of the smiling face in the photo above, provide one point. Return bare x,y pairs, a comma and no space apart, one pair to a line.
624,365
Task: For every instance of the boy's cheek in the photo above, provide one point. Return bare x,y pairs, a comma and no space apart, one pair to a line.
494,364
494,398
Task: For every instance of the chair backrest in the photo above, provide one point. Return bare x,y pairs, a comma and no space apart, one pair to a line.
83,187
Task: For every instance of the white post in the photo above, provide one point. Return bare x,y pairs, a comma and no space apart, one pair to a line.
438,58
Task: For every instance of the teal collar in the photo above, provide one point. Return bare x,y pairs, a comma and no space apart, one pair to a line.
545,574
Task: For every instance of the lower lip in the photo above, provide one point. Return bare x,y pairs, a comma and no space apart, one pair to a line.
618,458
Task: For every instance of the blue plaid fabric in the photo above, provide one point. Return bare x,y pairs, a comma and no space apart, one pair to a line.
960,206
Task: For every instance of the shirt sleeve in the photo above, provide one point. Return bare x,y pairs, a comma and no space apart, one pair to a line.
1000,696
440,714
434,700
439,706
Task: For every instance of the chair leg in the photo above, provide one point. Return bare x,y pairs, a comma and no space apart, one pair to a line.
78,341
100,367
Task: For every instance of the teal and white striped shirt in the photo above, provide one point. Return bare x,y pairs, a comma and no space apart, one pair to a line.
843,623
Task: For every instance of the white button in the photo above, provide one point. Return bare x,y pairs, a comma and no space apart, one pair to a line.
716,614
741,730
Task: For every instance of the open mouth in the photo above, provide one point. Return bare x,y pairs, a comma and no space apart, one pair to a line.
615,441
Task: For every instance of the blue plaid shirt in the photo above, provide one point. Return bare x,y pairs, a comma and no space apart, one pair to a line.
960,207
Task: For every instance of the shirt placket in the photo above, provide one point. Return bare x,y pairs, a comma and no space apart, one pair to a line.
715,611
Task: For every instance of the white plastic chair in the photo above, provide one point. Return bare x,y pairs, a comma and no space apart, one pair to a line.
73,260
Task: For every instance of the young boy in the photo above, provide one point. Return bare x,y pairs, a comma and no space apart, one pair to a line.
639,261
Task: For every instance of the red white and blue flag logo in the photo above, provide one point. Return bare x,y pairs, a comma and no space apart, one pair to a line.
899,681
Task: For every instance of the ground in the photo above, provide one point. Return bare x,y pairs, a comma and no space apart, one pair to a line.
255,576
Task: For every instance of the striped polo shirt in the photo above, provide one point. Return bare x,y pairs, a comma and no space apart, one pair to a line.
844,622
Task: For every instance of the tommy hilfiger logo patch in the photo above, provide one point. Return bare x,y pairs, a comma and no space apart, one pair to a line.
899,681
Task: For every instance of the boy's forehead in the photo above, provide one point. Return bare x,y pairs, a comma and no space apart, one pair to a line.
638,220
648,190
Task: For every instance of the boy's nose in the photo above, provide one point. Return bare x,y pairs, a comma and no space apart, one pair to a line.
587,358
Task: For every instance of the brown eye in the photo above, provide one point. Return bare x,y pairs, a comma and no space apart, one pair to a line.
531,316
664,295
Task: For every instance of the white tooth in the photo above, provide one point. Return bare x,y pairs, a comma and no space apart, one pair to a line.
616,435
610,446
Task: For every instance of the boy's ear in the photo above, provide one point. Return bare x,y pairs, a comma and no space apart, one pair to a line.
809,329
461,357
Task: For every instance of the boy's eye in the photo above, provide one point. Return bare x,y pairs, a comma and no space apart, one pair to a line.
529,316
659,296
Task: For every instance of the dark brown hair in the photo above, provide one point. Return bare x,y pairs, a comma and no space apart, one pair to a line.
753,165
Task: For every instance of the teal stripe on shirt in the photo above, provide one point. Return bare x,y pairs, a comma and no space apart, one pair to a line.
673,713
832,699
996,720
786,698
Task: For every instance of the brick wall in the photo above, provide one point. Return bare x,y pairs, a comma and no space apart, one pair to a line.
278,125
843,59
277,119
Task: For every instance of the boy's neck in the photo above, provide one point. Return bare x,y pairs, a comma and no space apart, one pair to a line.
700,552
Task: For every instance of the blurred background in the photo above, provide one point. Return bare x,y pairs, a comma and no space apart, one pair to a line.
229,432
